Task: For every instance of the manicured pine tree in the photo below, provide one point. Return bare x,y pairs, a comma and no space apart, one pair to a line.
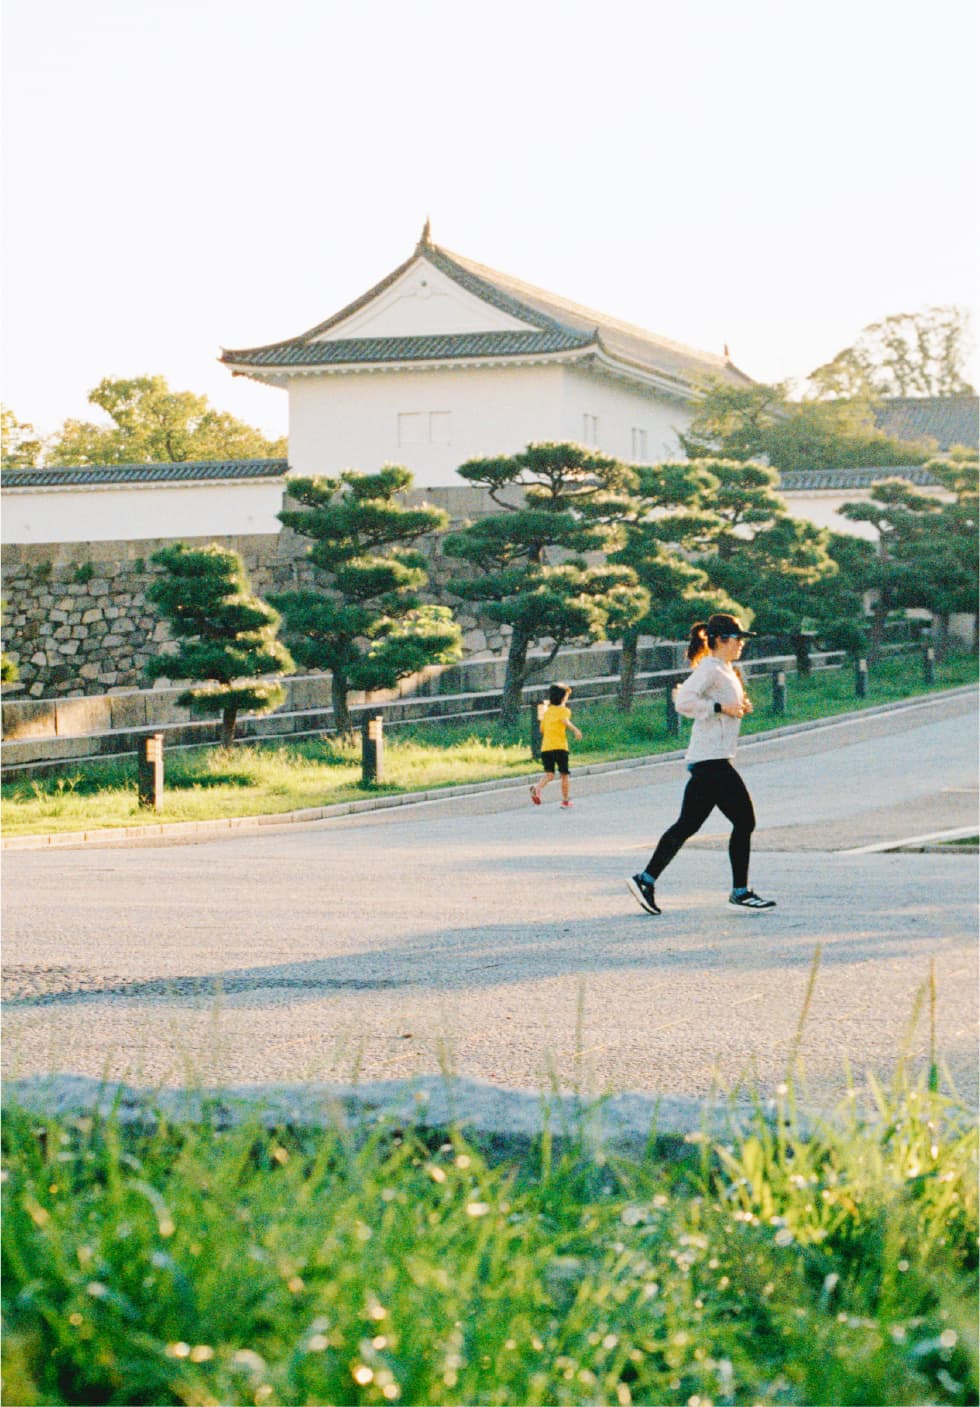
669,522
366,624
529,560
774,564
927,548
226,634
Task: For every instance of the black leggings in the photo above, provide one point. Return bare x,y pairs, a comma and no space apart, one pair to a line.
712,784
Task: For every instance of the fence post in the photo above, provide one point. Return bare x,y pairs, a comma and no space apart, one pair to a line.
149,772
372,750
779,691
536,712
929,665
670,712
861,679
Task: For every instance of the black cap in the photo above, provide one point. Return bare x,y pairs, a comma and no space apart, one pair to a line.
723,624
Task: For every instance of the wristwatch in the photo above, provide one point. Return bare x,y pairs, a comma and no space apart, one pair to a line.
717,708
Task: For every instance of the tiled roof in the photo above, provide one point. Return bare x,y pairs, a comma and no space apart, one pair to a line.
852,478
438,347
622,339
949,420
562,325
190,471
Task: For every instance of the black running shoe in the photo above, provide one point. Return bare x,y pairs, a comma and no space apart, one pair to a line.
642,891
750,900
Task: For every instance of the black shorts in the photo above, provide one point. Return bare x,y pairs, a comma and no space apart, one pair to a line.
555,757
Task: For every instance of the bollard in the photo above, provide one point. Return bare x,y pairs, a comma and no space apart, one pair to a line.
671,714
929,665
149,772
536,711
861,679
372,750
779,691
801,647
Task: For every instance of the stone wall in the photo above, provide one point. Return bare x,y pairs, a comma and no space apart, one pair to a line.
77,620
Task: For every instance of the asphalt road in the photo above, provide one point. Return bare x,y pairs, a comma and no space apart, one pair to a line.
496,940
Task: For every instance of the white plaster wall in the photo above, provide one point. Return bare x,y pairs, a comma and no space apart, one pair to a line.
620,408
822,506
351,421
422,300
125,513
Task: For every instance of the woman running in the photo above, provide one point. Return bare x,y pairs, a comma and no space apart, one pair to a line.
715,698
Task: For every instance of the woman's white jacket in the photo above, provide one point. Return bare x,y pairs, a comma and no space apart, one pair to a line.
714,735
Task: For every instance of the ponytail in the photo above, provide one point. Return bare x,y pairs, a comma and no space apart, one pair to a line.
697,646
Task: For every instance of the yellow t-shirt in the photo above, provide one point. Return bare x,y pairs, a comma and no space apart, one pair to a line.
553,735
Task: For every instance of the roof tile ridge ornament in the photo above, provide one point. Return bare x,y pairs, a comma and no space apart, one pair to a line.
425,238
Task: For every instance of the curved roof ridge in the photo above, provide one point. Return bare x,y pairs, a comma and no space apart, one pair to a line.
579,310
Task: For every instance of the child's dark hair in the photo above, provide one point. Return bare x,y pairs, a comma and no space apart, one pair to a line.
558,693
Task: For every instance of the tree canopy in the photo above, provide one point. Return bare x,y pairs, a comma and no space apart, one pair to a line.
153,424
21,446
366,624
907,354
529,566
746,423
226,635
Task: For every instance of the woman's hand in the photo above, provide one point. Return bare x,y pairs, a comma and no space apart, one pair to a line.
737,710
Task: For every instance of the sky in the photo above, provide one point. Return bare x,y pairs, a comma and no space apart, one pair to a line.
185,175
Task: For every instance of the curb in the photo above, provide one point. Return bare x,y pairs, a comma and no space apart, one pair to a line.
178,829
626,1122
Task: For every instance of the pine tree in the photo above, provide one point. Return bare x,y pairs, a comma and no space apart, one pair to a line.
669,523
367,625
531,570
225,633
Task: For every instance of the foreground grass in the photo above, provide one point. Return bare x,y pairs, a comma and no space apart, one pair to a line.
204,1265
209,784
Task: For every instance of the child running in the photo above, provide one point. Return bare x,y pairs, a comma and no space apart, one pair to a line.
556,718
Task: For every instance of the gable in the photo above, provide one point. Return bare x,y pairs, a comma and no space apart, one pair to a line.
422,301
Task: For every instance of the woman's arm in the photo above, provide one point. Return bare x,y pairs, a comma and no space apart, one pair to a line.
689,697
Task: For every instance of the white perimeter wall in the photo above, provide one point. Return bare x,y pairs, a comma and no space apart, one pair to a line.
114,513
822,506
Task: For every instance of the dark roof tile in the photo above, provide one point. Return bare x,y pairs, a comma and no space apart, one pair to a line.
852,478
949,420
549,316
190,471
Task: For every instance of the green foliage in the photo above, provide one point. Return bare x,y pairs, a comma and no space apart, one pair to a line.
367,626
672,519
9,673
83,573
907,354
528,571
151,423
225,634
927,547
201,1263
762,423
20,445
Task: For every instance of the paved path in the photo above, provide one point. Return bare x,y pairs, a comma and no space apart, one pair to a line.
497,940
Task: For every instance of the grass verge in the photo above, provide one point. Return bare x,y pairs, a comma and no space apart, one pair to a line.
211,784
202,1264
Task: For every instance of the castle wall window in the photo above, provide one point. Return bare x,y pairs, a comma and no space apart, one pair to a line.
419,427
